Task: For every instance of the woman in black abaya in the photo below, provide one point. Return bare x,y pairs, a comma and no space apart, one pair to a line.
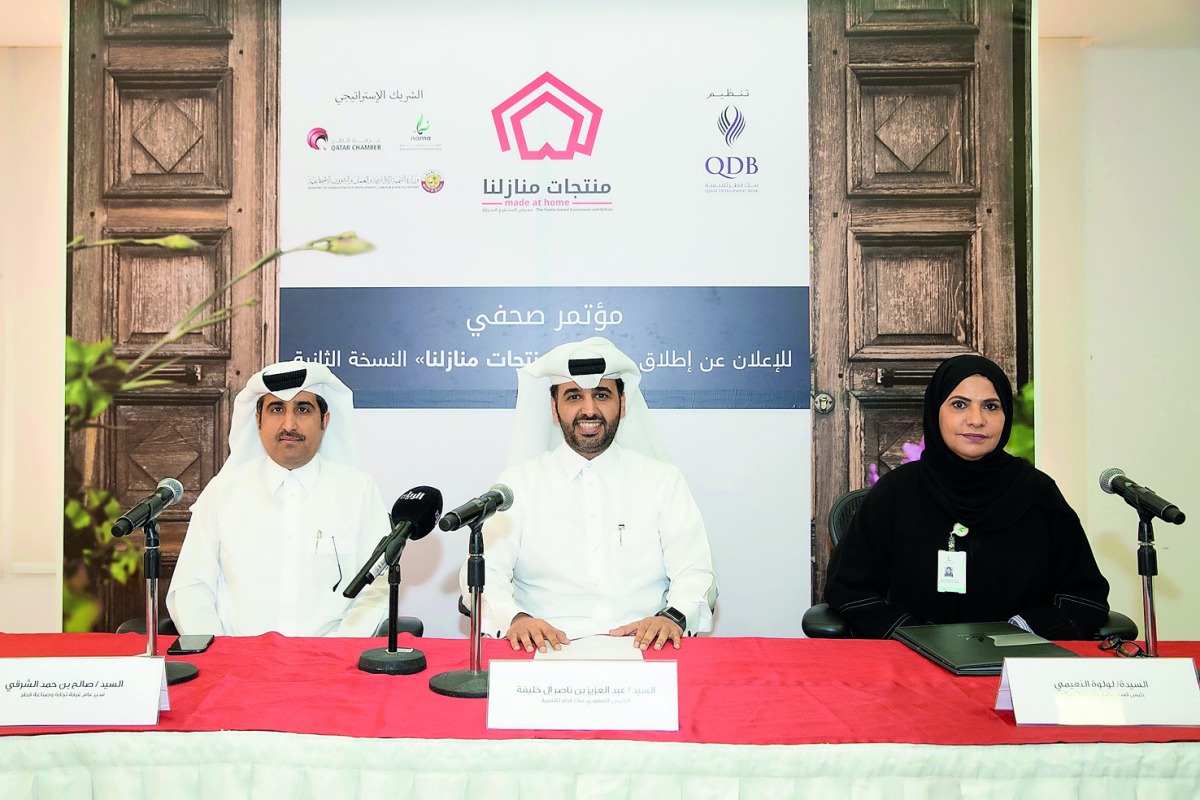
968,533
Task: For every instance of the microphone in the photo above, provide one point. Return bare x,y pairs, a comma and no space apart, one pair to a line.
1114,481
413,517
169,492
498,498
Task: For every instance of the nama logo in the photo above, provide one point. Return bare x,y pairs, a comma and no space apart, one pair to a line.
731,123
547,95
318,139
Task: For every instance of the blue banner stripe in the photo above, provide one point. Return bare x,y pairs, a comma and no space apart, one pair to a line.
459,347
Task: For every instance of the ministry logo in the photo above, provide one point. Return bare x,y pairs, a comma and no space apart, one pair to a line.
546,118
731,123
433,182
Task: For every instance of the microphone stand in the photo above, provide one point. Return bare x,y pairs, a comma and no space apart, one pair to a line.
392,660
177,671
471,682
1148,568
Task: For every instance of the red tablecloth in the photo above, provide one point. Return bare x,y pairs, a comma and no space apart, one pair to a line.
731,691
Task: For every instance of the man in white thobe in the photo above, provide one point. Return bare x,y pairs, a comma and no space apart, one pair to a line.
603,536
282,528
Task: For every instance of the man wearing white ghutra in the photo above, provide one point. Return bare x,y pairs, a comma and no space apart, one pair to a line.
281,529
603,536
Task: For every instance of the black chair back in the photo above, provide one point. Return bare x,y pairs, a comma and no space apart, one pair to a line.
842,512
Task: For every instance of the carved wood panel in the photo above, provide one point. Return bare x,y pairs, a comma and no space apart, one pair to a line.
166,434
152,289
912,131
169,19
913,296
911,115
886,429
174,130
910,16
171,133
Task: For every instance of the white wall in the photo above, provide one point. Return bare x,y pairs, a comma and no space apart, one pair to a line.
1117,332
32,310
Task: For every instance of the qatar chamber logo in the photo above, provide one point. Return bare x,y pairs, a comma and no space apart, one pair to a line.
731,123
318,139
546,118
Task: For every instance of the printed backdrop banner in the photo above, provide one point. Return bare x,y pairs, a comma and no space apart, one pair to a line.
534,172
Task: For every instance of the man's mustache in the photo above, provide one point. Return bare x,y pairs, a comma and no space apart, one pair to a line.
289,435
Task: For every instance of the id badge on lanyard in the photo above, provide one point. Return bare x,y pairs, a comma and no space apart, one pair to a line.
952,564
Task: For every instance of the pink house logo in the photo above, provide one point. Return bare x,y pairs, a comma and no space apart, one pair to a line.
547,95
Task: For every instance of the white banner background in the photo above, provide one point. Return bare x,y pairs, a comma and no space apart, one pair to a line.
406,90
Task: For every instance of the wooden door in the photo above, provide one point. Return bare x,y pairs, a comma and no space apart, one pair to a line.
173,130
911,108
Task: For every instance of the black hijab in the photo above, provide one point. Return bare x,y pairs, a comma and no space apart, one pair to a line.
993,491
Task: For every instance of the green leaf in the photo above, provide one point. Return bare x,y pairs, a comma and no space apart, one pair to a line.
80,612
74,358
96,353
176,241
345,244
76,515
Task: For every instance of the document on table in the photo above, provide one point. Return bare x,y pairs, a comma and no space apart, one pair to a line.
595,648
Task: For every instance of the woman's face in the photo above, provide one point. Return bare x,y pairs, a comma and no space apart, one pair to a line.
972,419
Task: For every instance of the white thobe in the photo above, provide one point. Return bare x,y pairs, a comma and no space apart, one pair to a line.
271,549
590,545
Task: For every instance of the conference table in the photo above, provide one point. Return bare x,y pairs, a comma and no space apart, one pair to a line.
271,716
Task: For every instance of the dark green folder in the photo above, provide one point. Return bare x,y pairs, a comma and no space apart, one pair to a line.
976,648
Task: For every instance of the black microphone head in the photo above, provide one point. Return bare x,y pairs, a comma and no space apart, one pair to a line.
420,505
176,489
1108,476
506,496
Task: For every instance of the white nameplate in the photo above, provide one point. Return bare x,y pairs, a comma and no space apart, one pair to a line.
1100,691
120,690
583,695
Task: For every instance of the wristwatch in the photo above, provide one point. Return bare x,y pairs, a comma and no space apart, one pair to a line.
673,614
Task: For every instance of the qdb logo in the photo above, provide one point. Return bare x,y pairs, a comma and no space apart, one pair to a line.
318,139
546,118
732,167
731,123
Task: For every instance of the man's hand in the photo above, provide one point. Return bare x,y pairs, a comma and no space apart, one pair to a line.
655,631
530,632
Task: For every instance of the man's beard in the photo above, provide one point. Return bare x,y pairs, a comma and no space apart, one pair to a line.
593,445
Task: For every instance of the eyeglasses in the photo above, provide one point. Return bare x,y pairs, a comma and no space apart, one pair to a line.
1120,647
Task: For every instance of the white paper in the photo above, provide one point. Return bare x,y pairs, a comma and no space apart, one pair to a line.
583,695
1100,691
594,648
120,690
1017,639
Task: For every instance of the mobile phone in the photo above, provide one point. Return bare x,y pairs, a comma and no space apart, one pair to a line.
193,643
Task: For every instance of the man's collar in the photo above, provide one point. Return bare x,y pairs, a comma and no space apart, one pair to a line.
307,474
572,463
